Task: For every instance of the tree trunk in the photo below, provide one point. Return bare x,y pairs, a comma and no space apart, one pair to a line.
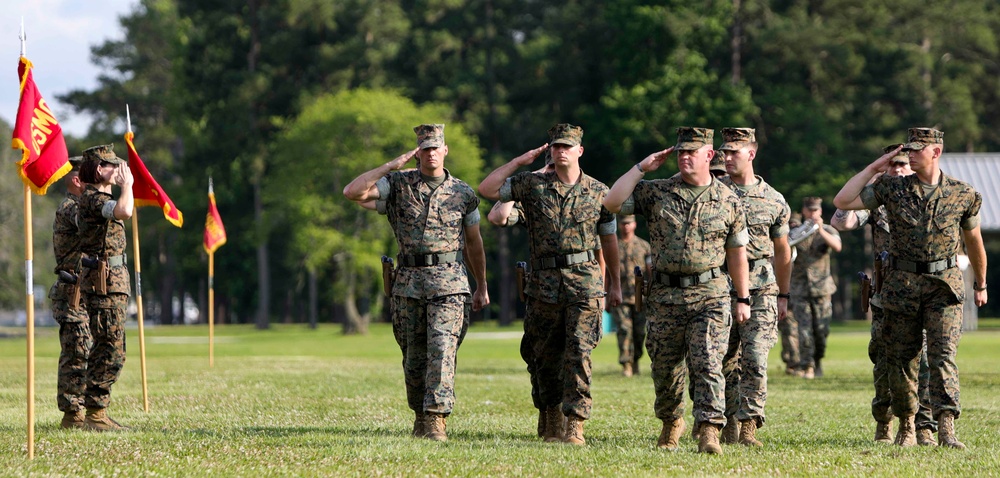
312,299
736,42
263,270
356,323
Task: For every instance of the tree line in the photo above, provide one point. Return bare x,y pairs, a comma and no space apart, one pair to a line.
283,102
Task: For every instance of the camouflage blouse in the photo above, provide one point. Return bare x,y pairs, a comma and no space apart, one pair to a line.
428,221
66,234
631,254
103,236
767,219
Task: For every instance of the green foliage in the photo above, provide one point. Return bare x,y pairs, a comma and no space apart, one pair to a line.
296,402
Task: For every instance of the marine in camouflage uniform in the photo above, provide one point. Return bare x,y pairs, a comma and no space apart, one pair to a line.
877,348
769,258
696,223
435,219
102,237
630,324
74,323
788,327
812,289
567,229
930,216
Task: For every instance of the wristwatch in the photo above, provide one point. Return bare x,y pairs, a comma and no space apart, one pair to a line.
743,300
975,287
786,295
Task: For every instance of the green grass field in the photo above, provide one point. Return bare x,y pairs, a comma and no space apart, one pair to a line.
297,402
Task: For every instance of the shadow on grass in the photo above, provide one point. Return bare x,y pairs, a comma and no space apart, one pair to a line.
370,432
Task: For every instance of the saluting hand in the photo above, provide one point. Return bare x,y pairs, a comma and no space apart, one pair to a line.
402,159
529,157
655,160
124,176
881,164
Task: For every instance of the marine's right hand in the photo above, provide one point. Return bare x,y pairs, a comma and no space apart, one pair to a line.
529,157
402,159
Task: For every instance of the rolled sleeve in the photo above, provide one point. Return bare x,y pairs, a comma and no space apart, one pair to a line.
607,228
506,191
739,239
869,197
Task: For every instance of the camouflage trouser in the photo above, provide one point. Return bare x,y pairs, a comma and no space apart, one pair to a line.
563,336
429,332
529,358
881,403
698,332
631,326
745,363
75,343
814,315
913,304
789,329
107,357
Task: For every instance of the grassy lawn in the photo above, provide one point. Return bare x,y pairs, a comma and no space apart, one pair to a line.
295,402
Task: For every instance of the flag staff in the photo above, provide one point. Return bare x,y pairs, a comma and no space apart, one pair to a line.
138,286
211,296
29,301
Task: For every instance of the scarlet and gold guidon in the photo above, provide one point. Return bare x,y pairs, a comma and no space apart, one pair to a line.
44,158
145,189
215,232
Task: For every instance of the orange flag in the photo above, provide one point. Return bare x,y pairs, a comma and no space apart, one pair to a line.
44,158
145,190
215,232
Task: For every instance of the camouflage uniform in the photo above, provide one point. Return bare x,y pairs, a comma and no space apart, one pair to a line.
925,227
630,323
563,318
102,236
745,362
690,232
789,328
811,288
429,302
878,348
74,323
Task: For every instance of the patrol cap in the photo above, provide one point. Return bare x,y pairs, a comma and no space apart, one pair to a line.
626,218
736,138
691,138
565,133
812,202
901,157
75,162
718,163
920,138
429,136
104,152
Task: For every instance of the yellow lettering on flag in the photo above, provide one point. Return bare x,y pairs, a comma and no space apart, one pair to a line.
40,125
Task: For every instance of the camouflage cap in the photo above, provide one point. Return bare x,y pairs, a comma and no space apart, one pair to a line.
690,138
812,202
104,153
75,162
429,135
899,158
718,163
626,218
736,138
565,133
920,138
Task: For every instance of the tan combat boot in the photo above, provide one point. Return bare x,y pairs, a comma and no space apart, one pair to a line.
731,432
670,436
907,434
627,369
574,431
97,420
946,431
435,427
72,419
554,424
748,433
809,373
925,437
709,440
419,424
883,432
541,423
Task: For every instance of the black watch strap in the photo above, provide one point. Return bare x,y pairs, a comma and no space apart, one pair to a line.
786,295
743,300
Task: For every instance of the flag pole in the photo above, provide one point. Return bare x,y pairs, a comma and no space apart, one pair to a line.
211,309
138,290
29,302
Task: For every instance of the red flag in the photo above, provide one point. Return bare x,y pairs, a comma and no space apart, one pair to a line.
215,232
44,158
145,190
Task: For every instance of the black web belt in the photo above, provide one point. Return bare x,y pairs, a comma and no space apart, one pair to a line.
425,260
923,267
670,280
562,261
